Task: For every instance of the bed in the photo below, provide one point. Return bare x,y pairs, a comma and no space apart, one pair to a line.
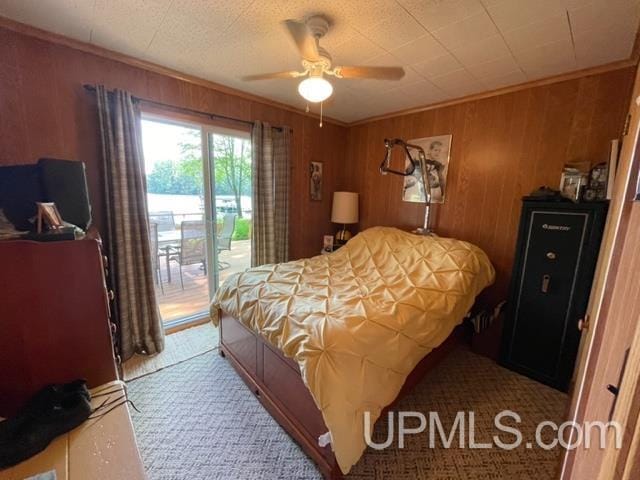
322,340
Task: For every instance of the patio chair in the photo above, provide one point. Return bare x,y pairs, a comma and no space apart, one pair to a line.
192,248
224,237
165,221
228,226
155,254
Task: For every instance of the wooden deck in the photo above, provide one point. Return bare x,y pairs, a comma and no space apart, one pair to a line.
175,303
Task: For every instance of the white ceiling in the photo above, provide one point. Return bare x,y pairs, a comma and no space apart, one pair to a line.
449,48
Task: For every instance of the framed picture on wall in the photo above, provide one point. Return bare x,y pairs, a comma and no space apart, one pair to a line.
315,181
436,148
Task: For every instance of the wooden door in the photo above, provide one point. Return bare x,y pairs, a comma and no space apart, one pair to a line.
624,463
614,309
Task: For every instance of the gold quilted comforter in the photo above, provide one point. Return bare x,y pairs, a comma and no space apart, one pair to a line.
358,321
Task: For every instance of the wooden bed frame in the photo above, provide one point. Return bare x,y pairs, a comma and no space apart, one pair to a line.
275,380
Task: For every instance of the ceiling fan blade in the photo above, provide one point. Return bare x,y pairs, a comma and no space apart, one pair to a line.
267,76
305,42
380,73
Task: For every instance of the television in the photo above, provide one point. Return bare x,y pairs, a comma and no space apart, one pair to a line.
63,182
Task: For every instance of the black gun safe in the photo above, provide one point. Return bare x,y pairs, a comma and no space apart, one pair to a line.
556,254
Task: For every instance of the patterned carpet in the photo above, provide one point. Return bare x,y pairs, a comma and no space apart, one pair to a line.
198,421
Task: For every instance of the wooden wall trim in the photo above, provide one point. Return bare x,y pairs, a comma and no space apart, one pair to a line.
510,89
633,60
149,66
635,51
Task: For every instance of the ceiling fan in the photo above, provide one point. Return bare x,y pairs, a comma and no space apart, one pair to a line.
316,62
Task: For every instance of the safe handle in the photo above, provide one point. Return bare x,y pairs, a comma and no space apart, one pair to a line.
546,280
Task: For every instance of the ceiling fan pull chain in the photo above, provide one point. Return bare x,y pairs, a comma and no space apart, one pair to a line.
321,114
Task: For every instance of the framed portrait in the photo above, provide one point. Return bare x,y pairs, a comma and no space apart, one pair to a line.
436,148
596,187
571,184
315,181
327,243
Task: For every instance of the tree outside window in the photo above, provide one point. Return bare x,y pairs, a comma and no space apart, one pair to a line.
183,176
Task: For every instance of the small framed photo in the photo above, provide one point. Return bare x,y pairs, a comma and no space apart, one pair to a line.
327,243
596,187
571,184
315,181
49,215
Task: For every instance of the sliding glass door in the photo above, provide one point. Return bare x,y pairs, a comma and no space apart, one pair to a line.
230,162
198,198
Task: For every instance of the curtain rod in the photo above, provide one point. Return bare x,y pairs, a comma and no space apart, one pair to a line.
212,116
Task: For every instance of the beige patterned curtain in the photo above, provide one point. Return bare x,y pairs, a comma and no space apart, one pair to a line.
270,191
128,229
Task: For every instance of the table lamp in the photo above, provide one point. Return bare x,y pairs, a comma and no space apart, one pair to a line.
344,211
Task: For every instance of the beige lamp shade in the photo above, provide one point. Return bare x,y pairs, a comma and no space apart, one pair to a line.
345,208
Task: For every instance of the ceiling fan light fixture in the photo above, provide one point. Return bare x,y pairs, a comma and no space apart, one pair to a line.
315,89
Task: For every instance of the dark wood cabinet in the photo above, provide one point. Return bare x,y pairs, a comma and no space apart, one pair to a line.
54,318
556,255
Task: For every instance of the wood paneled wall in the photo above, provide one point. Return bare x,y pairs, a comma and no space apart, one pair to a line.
503,147
44,111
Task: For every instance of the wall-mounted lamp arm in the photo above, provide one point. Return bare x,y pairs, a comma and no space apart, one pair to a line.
389,144
421,162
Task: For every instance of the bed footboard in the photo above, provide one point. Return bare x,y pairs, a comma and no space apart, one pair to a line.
276,382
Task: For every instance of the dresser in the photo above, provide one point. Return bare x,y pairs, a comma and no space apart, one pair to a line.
556,255
54,318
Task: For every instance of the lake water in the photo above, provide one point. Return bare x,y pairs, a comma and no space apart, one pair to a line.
192,204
